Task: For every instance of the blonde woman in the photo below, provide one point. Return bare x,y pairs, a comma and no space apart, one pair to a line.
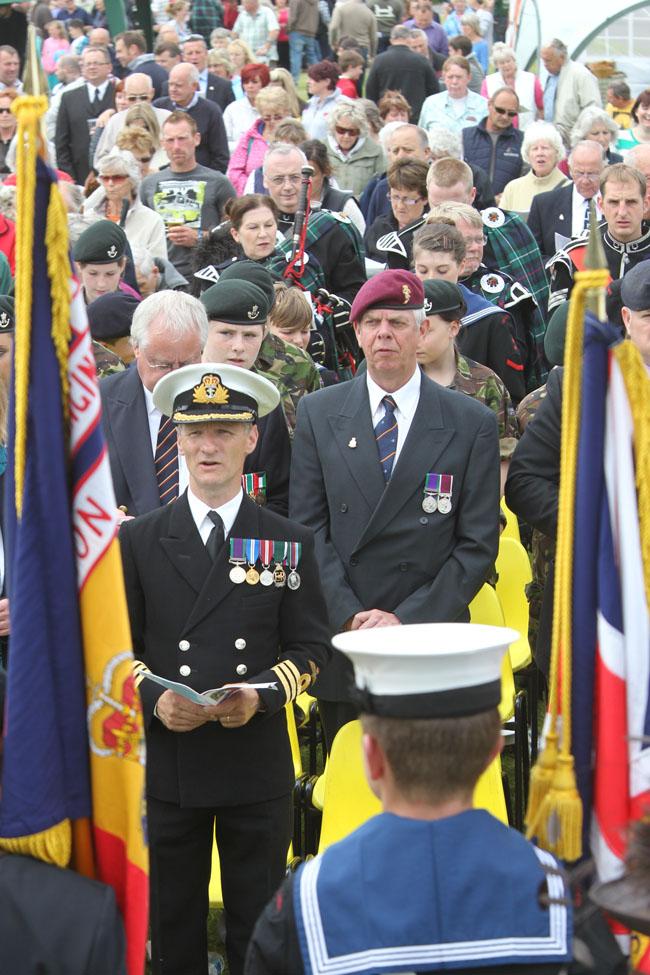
355,157
273,106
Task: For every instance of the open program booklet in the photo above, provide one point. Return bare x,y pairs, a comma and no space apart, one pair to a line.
214,696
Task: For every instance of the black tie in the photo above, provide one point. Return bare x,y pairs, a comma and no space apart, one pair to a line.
216,537
96,99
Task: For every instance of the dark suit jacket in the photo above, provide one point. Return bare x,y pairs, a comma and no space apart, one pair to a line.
376,547
551,213
57,921
533,491
218,91
72,136
175,593
126,427
399,68
213,147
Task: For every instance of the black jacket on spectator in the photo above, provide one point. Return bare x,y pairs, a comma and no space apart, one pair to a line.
501,160
401,69
218,91
213,147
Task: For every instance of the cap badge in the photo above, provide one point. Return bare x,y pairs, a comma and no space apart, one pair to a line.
210,390
353,443
254,312
428,305
112,251
5,321
406,291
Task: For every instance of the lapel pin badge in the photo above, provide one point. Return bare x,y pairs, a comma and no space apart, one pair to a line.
353,443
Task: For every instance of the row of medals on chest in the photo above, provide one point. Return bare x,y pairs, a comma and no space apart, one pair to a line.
279,554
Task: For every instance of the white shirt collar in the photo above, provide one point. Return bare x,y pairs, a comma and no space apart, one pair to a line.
101,88
148,398
406,396
227,512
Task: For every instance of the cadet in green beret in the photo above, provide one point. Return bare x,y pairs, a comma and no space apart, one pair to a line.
237,312
7,328
99,257
289,366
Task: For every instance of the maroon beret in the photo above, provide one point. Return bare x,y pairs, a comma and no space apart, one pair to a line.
388,289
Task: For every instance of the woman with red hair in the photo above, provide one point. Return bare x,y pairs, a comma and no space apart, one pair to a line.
241,114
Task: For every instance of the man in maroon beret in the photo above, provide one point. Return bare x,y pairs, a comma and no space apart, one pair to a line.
399,478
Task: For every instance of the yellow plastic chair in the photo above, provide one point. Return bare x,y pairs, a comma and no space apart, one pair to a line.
512,525
348,801
513,568
214,892
486,609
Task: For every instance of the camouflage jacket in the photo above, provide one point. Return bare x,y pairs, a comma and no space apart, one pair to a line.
291,370
484,385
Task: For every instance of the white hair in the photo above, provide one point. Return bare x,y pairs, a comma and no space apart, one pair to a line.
501,52
590,116
444,142
388,130
121,162
588,144
349,110
181,314
542,132
283,149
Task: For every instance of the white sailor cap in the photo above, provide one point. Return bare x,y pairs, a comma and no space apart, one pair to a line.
427,670
214,391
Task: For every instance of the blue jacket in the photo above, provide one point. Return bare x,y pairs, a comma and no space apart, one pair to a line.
478,148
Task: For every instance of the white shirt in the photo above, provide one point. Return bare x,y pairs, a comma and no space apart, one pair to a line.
203,82
155,416
91,89
578,207
406,397
227,512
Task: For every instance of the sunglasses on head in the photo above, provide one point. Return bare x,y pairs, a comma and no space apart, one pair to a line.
505,111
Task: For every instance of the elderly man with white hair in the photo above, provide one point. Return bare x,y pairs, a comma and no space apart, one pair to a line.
569,87
542,149
184,96
138,87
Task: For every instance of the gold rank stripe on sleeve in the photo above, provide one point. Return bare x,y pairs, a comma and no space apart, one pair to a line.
140,671
290,678
283,680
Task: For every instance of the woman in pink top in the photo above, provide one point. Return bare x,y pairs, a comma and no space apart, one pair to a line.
273,105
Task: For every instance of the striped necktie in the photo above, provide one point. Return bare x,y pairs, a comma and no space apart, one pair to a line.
166,461
386,437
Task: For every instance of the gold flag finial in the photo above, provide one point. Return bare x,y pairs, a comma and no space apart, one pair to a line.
595,260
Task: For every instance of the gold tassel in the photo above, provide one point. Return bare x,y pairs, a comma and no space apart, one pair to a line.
562,812
541,777
53,845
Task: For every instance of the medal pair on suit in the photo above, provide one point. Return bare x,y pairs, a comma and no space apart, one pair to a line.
375,545
186,613
126,428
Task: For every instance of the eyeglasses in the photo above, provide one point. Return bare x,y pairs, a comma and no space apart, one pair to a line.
477,241
137,98
168,366
505,111
113,179
272,118
592,177
280,180
341,131
405,201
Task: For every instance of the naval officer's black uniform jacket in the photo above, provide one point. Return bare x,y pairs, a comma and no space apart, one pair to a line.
177,597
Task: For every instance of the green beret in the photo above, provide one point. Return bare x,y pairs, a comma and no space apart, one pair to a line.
237,303
556,334
7,315
442,296
102,243
252,272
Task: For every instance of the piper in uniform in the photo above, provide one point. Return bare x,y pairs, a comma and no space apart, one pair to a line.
220,591
430,884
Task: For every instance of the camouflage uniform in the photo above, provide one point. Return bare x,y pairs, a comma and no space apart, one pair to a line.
484,385
106,362
542,548
291,370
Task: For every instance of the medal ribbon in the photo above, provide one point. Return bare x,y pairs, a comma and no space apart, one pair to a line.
446,484
252,550
237,549
295,551
432,483
279,552
266,549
